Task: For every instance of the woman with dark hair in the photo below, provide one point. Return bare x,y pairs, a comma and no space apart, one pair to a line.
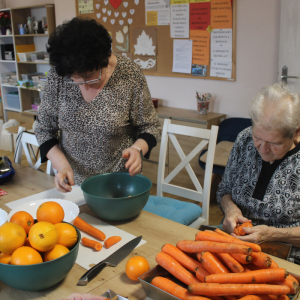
99,102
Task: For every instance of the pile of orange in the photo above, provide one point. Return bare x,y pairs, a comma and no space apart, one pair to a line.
23,242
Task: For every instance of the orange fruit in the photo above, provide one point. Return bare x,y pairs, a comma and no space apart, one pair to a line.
12,236
136,266
5,258
56,252
24,219
67,235
50,211
25,256
43,236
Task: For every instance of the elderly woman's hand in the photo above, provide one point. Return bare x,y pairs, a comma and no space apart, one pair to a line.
64,179
77,296
256,234
134,160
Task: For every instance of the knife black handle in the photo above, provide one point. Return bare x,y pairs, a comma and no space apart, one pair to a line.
92,273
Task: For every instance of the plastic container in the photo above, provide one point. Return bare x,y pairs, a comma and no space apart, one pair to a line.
13,100
25,56
28,76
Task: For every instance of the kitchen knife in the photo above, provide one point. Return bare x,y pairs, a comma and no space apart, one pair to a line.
113,260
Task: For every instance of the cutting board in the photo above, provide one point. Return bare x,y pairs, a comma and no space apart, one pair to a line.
87,257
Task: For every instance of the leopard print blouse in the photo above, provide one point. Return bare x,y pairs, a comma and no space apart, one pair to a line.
93,135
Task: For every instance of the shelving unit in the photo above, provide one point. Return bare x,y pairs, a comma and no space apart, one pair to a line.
26,95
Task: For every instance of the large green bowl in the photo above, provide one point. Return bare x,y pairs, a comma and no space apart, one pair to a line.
116,196
40,276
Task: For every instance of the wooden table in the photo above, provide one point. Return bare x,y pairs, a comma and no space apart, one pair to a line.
155,230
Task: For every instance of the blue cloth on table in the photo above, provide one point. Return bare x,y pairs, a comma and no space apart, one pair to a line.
175,210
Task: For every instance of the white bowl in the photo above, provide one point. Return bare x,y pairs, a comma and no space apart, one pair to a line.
3,216
71,209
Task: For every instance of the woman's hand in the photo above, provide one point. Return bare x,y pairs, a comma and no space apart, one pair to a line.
77,296
134,160
64,179
256,234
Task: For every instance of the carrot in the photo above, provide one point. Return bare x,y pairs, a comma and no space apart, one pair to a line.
91,243
260,297
291,282
261,260
227,289
201,273
283,297
239,229
212,264
231,297
185,260
216,237
230,262
246,269
217,230
241,258
111,241
216,298
199,246
274,264
84,226
174,289
175,268
263,275
253,267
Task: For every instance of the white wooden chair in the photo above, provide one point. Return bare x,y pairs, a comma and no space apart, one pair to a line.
184,212
24,142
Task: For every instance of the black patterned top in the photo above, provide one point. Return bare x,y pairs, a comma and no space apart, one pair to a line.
93,135
280,205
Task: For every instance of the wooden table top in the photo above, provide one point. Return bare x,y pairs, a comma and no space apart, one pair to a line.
155,230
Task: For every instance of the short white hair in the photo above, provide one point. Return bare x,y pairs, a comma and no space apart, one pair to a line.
275,108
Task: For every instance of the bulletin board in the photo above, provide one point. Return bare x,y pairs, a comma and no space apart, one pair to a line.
112,13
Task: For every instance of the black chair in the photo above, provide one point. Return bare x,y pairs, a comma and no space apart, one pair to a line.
228,132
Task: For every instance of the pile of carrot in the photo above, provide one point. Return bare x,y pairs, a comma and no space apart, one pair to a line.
218,266
93,231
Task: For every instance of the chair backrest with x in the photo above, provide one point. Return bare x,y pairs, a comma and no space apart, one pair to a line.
208,137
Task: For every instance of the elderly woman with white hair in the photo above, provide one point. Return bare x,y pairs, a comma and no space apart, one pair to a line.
261,182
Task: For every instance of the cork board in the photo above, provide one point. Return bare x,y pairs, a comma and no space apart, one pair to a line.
113,14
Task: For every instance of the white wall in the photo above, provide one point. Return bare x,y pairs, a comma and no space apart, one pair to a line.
256,62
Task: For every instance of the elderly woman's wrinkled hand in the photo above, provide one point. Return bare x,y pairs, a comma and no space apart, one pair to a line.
134,160
77,296
233,218
256,234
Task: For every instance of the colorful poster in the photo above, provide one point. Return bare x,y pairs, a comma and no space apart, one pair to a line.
157,11
199,16
221,14
201,41
85,7
179,21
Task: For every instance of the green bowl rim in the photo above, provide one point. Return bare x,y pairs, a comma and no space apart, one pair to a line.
119,173
46,262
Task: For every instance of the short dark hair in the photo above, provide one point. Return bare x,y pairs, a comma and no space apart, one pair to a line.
79,46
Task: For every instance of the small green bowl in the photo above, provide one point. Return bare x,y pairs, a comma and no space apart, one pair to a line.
40,276
116,196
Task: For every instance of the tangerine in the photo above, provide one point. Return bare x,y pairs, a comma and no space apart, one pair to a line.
136,266
67,235
5,258
56,252
43,236
24,219
26,256
50,211
12,236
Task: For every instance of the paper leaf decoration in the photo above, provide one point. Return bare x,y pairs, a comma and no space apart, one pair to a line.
115,3
146,64
144,45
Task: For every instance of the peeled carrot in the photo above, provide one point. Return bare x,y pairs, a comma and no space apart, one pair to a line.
291,282
175,268
84,226
261,260
227,289
263,275
239,229
259,297
199,246
212,264
185,260
216,237
230,262
241,258
111,241
201,273
217,230
91,243
174,289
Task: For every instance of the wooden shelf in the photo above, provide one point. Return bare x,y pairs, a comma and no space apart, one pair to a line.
9,35
8,85
34,35
34,62
7,61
